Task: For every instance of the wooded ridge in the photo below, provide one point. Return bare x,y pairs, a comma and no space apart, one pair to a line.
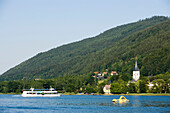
114,49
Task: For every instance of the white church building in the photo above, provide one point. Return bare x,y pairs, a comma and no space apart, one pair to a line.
136,73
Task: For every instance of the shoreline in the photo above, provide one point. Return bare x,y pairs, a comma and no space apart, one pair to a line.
132,94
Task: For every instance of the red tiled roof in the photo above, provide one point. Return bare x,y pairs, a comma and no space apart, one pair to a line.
96,72
113,72
107,86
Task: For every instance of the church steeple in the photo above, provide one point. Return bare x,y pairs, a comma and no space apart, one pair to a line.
136,66
136,72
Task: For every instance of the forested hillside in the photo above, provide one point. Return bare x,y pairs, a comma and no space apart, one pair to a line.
115,49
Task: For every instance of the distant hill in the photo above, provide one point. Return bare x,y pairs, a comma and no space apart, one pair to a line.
114,49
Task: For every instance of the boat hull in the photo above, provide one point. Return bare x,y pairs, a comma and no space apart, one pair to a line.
34,95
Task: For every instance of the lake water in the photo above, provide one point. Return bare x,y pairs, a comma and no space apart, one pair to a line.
84,104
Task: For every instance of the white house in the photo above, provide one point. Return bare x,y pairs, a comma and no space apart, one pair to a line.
150,85
104,73
114,73
106,89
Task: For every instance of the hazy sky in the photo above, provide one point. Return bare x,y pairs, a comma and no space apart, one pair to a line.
28,27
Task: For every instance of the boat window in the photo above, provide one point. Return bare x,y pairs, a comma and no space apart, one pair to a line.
31,93
42,93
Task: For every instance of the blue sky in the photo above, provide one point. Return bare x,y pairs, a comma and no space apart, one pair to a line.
28,27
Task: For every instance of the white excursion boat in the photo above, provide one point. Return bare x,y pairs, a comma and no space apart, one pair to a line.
40,93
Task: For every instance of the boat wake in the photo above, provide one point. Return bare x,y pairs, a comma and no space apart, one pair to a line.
16,95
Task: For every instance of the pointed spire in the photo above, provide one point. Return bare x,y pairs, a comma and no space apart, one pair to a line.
136,65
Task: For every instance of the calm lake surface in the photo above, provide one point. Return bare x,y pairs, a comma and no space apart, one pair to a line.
84,104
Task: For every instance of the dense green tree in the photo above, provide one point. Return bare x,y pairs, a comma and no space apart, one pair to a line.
70,88
142,86
14,86
123,87
132,88
167,86
101,90
114,78
100,87
90,89
115,88
126,77
159,84
3,87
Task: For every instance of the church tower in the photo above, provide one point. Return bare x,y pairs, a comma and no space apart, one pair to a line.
136,72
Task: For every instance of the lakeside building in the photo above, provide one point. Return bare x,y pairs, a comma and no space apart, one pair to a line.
96,72
104,73
37,79
136,73
100,75
114,73
106,89
150,85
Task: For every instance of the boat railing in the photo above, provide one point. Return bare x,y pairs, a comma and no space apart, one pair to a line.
51,89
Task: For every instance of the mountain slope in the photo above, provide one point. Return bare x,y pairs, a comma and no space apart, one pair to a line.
113,49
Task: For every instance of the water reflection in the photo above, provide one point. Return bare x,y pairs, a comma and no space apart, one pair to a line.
136,101
156,104
121,104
